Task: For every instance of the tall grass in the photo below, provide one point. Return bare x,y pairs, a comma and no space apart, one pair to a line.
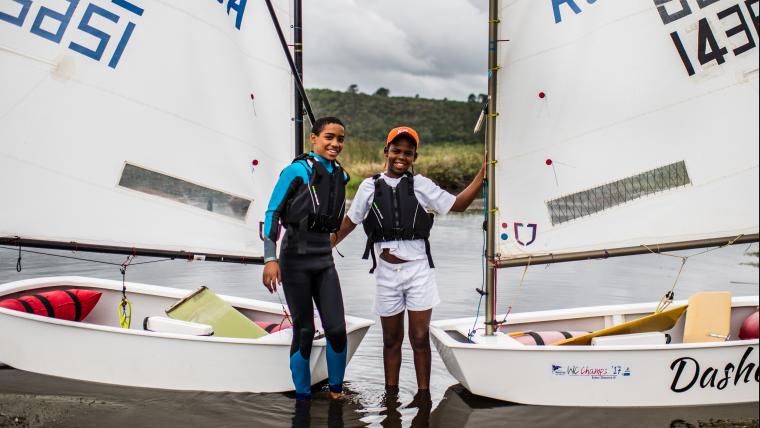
452,166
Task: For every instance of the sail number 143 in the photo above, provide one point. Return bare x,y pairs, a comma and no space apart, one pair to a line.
740,17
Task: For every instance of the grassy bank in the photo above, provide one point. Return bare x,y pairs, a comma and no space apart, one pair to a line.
450,165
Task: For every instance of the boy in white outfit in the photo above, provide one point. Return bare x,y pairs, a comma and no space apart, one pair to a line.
394,208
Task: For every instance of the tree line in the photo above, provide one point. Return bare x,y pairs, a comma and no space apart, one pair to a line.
370,117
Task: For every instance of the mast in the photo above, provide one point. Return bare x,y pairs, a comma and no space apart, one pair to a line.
296,74
298,58
493,36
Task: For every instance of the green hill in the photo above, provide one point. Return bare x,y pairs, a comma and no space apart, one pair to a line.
450,153
370,117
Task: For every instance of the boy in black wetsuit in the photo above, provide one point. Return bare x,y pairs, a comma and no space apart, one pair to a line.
309,200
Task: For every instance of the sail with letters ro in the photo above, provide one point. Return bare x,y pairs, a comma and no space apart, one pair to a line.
618,128
146,128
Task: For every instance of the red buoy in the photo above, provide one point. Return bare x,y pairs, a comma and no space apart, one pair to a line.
750,327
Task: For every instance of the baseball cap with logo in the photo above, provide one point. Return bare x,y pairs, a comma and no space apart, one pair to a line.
403,131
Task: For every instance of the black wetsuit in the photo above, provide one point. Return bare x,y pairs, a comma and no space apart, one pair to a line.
308,273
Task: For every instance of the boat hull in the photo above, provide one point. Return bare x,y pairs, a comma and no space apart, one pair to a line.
594,376
106,354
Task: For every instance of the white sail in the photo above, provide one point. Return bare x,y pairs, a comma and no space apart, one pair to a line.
625,122
137,123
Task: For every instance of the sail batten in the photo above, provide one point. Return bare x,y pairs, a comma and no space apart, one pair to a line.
616,130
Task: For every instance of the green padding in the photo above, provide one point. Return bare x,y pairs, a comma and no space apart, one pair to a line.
205,307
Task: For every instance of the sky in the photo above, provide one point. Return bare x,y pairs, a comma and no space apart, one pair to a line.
434,48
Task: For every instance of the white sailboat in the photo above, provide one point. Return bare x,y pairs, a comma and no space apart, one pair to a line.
144,128
616,128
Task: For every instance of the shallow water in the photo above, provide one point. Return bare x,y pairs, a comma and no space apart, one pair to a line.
33,400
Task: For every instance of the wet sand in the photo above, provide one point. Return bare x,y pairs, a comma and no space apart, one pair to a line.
32,400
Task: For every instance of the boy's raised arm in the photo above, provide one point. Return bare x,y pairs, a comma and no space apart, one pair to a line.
465,198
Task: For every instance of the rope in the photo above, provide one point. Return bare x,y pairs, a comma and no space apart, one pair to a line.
18,261
125,306
284,311
82,259
517,296
474,328
670,295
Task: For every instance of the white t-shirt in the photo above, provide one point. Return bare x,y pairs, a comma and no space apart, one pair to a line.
430,196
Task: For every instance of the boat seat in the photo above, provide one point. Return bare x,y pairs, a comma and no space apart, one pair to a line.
169,325
708,318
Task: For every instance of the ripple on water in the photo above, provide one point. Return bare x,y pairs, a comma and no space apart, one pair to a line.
456,246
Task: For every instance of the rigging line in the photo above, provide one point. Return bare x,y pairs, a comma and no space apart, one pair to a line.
667,299
519,292
482,259
125,305
284,311
669,296
659,253
81,258
18,261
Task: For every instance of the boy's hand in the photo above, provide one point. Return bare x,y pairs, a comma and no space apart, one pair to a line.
333,240
272,276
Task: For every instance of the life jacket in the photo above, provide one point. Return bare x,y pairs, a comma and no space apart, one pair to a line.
317,206
396,215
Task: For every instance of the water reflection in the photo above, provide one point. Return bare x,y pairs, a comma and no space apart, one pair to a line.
334,418
33,400
456,245
396,414
459,408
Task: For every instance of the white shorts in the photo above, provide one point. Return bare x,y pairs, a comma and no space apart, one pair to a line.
409,285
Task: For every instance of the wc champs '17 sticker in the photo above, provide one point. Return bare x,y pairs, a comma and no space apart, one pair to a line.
593,372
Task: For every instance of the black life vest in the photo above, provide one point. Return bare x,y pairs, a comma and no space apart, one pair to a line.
396,215
317,206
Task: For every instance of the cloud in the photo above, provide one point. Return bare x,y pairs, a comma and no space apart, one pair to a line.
432,48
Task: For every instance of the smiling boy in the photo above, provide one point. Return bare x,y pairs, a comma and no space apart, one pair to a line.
394,207
309,201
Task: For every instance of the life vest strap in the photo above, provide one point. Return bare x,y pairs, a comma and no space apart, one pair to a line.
371,250
429,256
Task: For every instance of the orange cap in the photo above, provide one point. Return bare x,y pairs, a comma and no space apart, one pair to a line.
403,130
